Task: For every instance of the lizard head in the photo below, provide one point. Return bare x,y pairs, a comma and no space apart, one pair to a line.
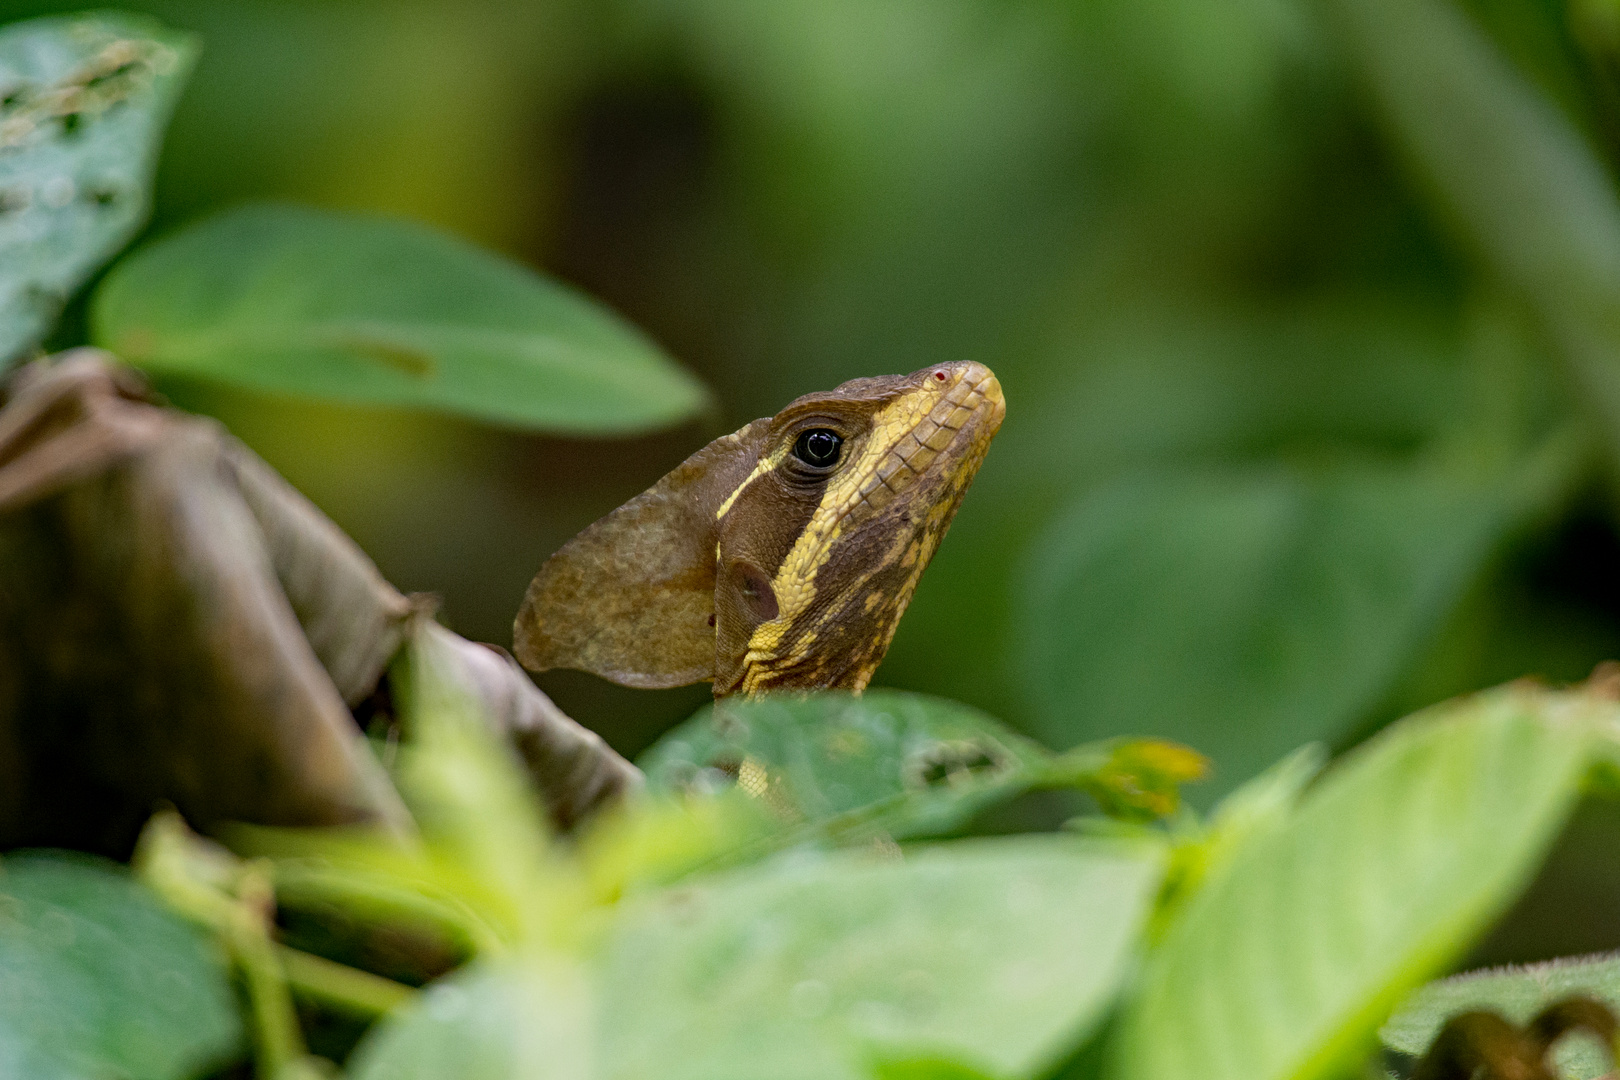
778,557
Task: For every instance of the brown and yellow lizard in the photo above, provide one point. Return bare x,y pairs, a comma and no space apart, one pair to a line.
778,557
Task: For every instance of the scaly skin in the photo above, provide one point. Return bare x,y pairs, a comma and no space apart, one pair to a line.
749,567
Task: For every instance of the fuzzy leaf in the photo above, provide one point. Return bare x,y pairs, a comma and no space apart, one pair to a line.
1285,960
1518,993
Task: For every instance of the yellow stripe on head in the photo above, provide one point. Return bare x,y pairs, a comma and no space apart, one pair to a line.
907,435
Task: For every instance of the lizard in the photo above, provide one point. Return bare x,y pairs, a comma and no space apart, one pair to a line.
779,557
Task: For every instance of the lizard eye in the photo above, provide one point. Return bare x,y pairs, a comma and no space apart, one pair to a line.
818,447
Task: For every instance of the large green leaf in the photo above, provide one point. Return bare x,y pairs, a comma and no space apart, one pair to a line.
384,312
83,104
894,762
97,979
1001,954
1248,610
1173,382
1289,955
1518,993
516,1020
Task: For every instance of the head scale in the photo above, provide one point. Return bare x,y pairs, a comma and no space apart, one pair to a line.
778,557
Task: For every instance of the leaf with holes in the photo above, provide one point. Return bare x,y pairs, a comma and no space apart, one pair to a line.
84,100
1283,962
1000,955
383,312
97,979
897,763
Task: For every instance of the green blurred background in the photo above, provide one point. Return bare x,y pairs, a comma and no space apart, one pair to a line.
1287,454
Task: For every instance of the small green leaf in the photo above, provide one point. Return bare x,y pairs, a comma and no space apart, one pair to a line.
383,312
84,100
529,1019
1246,611
894,762
1518,993
97,979
1282,964
1001,955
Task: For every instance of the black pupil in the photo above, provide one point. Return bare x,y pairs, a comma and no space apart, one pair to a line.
818,447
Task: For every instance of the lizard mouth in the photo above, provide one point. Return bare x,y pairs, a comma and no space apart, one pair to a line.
970,410
945,434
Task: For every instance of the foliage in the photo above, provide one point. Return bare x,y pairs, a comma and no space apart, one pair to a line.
1518,993
1317,582
1272,939
999,954
1236,513
898,765
304,302
1258,269
1387,868
83,103
98,979
280,298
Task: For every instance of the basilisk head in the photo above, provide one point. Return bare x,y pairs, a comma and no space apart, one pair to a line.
777,557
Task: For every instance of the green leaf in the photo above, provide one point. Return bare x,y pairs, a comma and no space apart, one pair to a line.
1518,993
1261,805
383,312
527,1019
1507,169
1001,955
1170,379
84,100
97,979
462,782
925,1069
1246,611
894,762
816,757
1285,960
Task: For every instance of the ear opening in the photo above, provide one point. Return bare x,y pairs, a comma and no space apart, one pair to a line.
632,597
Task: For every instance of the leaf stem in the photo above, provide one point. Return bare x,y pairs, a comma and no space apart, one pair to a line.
339,986
278,1042
300,884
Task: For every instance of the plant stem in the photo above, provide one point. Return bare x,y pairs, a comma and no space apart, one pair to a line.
357,992
277,1038
299,884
